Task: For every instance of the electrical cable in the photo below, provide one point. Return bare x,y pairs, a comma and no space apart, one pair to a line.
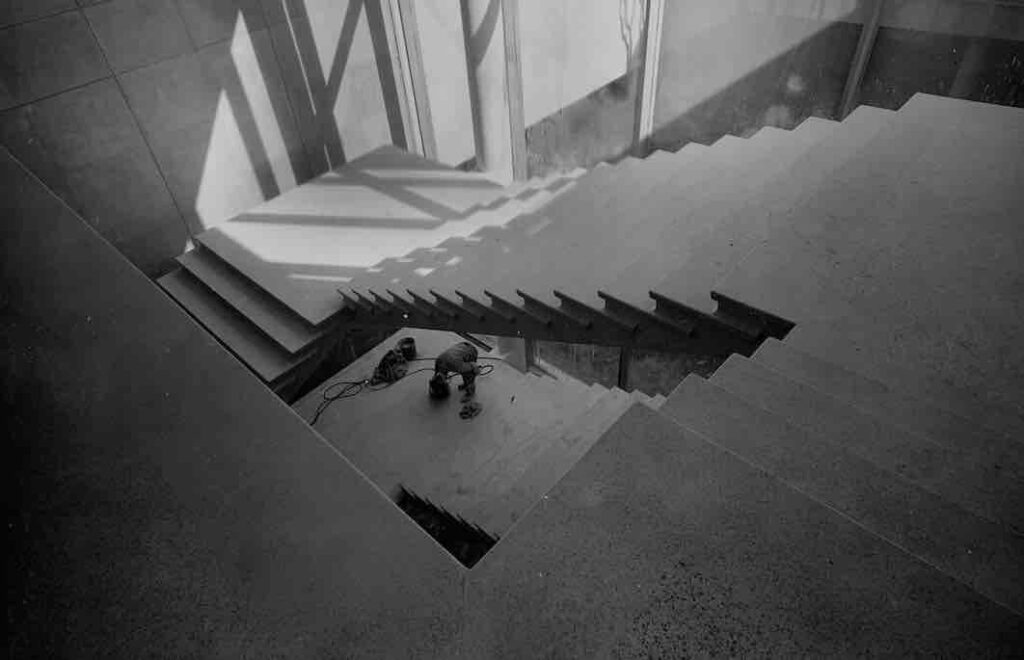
351,388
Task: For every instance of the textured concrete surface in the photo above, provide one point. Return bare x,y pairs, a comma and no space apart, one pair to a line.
908,255
700,214
47,56
328,233
983,488
968,437
162,502
614,212
105,173
245,340
751,217
278,322
20,11
981,554
658,544
135,33
398,435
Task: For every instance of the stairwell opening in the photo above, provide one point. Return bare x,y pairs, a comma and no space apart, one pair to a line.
463,540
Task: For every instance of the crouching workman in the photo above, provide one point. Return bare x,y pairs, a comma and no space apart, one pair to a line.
459,359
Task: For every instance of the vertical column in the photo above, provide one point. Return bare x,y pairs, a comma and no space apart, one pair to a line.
484,32
625,359
872,18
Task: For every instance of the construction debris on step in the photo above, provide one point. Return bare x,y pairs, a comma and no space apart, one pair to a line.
470,410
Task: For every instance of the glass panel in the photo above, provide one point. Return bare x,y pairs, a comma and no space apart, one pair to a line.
956,48
439,24
586,362
580,63
732,67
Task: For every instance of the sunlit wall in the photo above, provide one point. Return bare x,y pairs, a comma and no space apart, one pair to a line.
158,119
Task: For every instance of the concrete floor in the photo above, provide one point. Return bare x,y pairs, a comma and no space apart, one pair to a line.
399,435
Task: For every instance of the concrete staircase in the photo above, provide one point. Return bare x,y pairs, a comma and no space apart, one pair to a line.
849,443
410,243
246,281
855,488
845,482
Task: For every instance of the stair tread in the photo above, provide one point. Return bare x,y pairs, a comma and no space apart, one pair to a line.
291,332
557,459
981,489
491,478
712,256
698,224
971,549
578,216
995,417
299,249
905,256
562,256
420,266
253,348
894,406
735,549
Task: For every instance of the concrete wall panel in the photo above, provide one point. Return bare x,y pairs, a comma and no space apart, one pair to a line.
210,21
330,68
104,171
13,12
135,33
46,57
216,141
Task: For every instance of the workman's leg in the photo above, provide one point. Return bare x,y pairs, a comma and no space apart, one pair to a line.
469,384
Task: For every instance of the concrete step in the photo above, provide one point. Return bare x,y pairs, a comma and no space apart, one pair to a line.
281,324
317,233
709,249
799,242
310,290
252,347
974,550
980,489
563,256
972,442
697,227
436,246
992,417
637,249
713,255
724,555
581,216
520,490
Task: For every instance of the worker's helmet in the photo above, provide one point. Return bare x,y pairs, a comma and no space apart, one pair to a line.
439,387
